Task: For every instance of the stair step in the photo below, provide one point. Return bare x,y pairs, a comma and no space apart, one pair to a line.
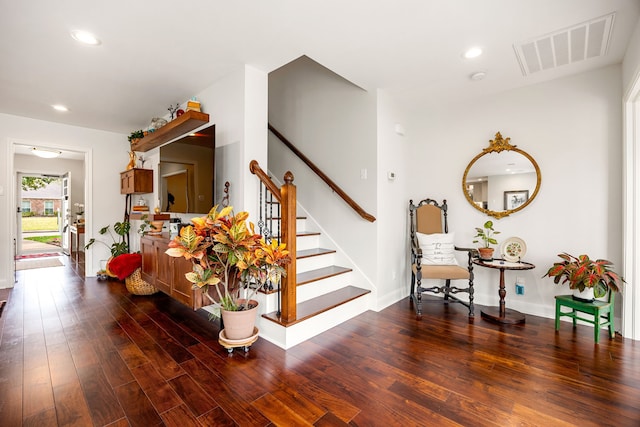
321,304
303,234
278,218
307,233
319,274
314,252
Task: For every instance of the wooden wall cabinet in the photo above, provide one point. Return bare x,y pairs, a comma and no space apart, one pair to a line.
136,181
167,273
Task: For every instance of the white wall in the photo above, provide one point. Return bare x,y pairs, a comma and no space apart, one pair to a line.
333,123
631,155
631,63
255,115
107,154
572,127
392,244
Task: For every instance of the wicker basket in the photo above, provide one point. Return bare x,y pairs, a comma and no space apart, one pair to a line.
137,286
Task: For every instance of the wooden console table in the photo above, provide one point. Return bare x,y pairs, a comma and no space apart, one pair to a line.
76,231
502,314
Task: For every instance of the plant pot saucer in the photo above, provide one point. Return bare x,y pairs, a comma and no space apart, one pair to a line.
231,344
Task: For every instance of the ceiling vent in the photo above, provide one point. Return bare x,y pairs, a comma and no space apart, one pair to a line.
583,41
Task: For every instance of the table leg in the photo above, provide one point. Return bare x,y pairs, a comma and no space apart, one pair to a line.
502,314
502,292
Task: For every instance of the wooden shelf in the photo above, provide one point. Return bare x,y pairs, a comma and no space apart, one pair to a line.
150,216
175,128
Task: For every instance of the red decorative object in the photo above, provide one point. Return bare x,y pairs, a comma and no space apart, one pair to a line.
123,265
179,112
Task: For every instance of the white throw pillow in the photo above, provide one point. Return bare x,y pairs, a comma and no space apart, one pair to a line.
437,249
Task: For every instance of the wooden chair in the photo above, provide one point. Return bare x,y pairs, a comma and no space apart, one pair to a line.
601,312
432,255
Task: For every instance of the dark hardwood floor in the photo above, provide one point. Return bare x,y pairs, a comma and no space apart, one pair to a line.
82,353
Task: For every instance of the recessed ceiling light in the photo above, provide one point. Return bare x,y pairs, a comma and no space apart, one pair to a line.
85,37
59,107
479,75
44,153
473,52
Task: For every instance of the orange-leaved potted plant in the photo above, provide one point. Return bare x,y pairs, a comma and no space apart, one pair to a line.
232,261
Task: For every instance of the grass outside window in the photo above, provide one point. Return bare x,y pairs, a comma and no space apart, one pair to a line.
40,223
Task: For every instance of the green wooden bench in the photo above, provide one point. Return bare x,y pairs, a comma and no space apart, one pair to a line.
601,311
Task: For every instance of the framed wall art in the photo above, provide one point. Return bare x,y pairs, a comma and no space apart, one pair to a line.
514,199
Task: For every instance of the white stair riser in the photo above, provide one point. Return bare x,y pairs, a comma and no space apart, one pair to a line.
307,242
321,287
315,262
300,224
269,302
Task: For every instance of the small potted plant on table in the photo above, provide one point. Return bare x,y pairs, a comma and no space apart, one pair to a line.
588,278
485,234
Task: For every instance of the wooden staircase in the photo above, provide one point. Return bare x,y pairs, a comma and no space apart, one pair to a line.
325,294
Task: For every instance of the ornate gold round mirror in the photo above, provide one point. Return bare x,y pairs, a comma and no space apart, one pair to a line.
502,179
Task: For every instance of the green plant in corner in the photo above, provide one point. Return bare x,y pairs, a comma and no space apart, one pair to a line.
485,234
119,245
583,272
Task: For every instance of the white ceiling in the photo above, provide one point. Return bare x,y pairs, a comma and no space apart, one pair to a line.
157,53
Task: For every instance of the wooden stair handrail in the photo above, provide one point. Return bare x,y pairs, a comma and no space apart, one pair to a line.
322,176
255,169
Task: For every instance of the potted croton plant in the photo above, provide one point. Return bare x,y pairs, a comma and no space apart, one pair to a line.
231,262
485,235
588,278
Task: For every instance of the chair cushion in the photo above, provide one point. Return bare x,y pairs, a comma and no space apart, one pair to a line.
437,248
443,272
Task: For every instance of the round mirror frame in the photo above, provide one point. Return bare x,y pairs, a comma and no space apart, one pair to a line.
496,146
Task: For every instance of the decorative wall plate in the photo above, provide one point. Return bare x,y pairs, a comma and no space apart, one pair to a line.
513,249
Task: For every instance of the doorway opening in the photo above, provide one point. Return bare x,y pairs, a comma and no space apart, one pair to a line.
41,215
42,224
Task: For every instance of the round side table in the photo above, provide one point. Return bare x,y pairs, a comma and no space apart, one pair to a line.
502,314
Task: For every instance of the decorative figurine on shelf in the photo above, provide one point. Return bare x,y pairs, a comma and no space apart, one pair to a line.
132,160
157,123
193,105
179,112
173,110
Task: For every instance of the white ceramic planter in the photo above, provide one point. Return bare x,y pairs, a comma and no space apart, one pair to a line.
586,295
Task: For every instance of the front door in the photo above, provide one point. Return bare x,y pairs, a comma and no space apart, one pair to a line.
65,214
